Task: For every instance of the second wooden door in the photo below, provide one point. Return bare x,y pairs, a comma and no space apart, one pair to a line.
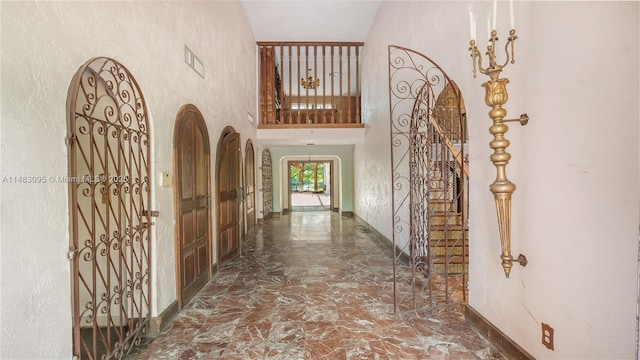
194,203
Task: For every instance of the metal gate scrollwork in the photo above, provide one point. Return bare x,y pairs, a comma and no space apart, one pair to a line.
109,185
430,175
267,184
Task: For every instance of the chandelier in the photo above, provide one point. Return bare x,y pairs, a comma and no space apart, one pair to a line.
309,82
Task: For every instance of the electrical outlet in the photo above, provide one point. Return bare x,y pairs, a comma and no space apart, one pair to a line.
547,336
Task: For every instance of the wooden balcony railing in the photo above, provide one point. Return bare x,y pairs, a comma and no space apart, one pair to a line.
313,84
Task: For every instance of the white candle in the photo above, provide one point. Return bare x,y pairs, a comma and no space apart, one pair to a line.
495,14
513,24
489,25
471,23
475,26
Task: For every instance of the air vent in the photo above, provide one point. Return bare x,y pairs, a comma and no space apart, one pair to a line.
192,60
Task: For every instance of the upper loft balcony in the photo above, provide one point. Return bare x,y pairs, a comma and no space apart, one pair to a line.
309,85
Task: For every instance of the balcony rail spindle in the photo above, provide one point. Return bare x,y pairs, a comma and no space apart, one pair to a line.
281,89
333,116
290,84
341,93
357,119
324,83
349,83
306,88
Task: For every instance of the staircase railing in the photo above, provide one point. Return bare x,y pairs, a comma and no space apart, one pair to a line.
457,153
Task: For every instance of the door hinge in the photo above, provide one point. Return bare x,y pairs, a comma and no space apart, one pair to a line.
71,254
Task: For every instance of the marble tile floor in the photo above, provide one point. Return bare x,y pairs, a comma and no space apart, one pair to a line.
309,201
311,285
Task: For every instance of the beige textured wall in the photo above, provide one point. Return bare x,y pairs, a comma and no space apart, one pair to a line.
43,45
575,212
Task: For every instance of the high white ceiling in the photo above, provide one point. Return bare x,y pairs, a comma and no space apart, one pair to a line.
310,20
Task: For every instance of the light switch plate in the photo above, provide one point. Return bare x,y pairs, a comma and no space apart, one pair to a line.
165,179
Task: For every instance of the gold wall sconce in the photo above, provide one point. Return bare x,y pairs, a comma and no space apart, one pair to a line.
495,97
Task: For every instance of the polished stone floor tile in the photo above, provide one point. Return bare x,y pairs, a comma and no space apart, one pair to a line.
312,285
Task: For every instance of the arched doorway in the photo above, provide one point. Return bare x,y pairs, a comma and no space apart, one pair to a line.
227,189
267,184
289,185
310,184
250,187
192,194
110,195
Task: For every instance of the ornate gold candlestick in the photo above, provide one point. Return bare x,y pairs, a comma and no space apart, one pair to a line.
496,96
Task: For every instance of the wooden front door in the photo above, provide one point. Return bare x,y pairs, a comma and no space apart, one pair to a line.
193,199
250,187
228,203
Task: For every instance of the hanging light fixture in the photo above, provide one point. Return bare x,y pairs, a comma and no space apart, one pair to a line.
310,83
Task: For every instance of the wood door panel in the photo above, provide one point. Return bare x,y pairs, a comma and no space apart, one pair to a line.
224,243
195,204
189,267
202,225
187,229
187,169
224,214
202,185
203,259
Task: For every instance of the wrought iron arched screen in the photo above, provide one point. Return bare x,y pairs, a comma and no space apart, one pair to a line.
430,176
250,186
267,184
109,185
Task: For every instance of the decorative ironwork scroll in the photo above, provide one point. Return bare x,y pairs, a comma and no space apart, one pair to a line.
267,184
250,186
429,148
109,185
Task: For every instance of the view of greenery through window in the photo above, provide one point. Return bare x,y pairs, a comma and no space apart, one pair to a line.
312,177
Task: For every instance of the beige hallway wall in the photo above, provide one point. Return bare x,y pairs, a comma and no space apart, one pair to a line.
43,45
575,211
